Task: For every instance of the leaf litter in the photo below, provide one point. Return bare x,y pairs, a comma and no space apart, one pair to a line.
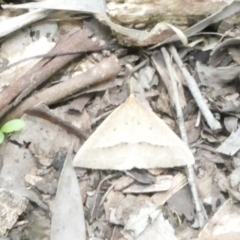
125,203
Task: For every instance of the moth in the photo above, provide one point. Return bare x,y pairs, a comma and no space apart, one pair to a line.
133,136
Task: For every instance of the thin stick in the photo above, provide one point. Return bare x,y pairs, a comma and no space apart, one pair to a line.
42,111
95,209
193,87
201,215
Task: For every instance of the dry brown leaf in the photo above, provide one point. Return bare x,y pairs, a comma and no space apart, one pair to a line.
193,132
225,220
145,221
122,183
231,123
163,183
231,145
179,181
216,77
182,203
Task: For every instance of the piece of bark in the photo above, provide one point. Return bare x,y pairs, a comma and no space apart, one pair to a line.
108,68
181,13
78,42
12,206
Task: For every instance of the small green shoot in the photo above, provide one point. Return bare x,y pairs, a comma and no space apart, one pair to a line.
1,137
11,126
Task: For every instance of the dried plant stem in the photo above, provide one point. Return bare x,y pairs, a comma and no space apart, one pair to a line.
201,215
193,87
97,202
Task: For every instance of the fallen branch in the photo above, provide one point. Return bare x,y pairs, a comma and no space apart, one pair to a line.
77,42
108,68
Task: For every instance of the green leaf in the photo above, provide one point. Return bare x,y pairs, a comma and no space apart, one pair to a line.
1,137
13,126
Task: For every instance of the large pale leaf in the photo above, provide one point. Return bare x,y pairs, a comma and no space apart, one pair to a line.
91,6
68,218
12,24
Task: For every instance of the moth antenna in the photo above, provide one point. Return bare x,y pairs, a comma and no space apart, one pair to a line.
131,86
131,70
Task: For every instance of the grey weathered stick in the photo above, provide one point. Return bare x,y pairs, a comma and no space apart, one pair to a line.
200,211
193,87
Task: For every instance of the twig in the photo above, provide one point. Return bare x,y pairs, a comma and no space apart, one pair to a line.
108,68
201,215
106,193
102,116
198,119
43,112
193,87
159,63
96,201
